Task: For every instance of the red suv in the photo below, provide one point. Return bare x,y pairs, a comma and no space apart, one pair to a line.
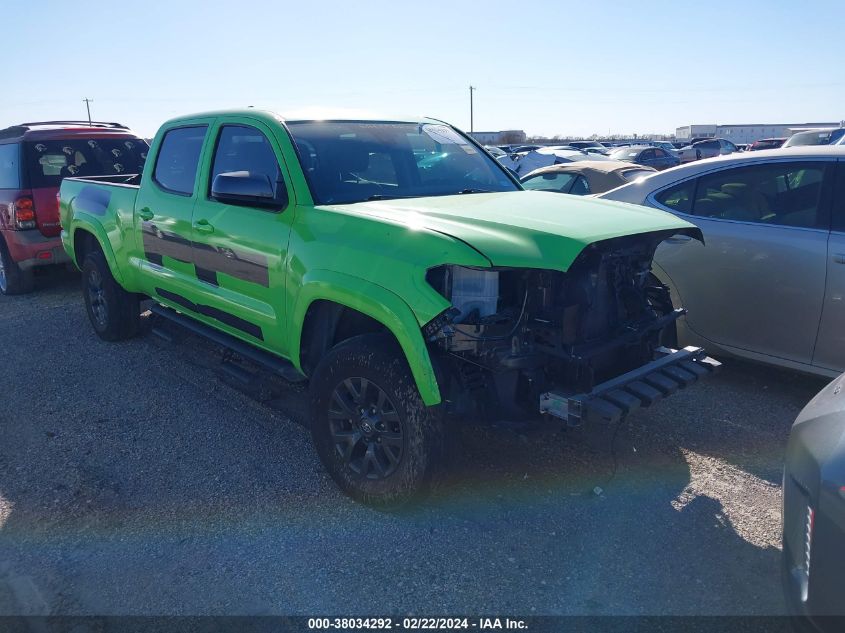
34,157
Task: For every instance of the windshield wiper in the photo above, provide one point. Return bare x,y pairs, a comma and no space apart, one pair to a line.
382,196
475,191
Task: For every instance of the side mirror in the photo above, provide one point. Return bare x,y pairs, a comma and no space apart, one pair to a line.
246,189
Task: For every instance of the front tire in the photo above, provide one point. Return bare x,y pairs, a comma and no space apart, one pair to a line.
14,280
114,313
371,429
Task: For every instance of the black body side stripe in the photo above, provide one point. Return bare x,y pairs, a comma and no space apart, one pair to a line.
208,276
224,317
238,264
154,258
250,267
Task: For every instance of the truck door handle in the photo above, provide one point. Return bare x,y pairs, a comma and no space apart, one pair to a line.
145,214
203,226
679,239
839,258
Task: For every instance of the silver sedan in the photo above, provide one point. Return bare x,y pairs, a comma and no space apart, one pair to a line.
768,284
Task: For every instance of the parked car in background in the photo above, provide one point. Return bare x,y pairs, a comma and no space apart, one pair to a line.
813,554
523,163
601,151
666,146
567,154
516,149
495,151
828,136
586,145
328,250
34,157
767,284
766,143
584,177
707,148
646,155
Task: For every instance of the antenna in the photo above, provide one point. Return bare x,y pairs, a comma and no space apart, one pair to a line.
88,107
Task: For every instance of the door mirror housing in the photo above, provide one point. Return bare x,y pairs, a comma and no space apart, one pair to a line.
249,189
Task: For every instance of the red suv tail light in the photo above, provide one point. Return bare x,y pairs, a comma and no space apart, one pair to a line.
23,213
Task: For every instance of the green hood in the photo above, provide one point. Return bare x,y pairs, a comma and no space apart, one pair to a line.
524,229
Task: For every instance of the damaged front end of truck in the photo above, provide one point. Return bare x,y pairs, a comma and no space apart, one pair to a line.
587,344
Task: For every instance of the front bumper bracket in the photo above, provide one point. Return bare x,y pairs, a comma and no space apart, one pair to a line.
613,399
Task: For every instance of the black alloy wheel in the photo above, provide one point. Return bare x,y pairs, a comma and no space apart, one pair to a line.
366,428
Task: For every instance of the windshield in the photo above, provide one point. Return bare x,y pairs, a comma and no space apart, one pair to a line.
51,160
352,161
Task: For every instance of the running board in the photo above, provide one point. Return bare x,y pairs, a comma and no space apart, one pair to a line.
274,364
614,399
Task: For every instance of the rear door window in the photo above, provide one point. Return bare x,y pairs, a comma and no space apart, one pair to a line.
10,166
178,159
48,161
786,194
678,197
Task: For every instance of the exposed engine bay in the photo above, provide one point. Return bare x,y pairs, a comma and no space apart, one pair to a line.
514,334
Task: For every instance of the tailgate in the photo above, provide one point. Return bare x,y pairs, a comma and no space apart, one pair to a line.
612,400
47,211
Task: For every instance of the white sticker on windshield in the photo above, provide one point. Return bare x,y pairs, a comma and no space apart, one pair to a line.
443,134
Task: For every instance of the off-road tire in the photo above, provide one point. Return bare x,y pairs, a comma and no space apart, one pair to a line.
115,314
14,280
377,359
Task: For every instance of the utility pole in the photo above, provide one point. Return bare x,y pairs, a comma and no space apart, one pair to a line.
88,107
471,89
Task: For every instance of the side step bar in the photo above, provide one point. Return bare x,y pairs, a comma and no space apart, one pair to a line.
274,364
612,400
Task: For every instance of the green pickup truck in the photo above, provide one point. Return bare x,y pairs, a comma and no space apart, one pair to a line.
396,266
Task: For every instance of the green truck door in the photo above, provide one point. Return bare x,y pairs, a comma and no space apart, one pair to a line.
239,247
163,213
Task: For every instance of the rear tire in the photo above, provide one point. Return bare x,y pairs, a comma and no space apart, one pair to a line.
115,314
372,431
14,280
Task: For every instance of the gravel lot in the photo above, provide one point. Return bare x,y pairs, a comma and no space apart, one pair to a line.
133,480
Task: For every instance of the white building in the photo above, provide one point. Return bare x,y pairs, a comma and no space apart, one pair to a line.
750,132
694,131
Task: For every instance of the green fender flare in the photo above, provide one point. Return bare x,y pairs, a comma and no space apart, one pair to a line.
376,302
81,222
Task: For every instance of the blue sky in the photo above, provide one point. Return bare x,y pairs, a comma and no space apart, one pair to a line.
548,67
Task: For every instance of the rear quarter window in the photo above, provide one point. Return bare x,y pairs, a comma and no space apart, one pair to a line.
10,166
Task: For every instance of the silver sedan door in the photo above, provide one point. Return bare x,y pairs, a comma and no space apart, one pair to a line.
758,283
830,346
